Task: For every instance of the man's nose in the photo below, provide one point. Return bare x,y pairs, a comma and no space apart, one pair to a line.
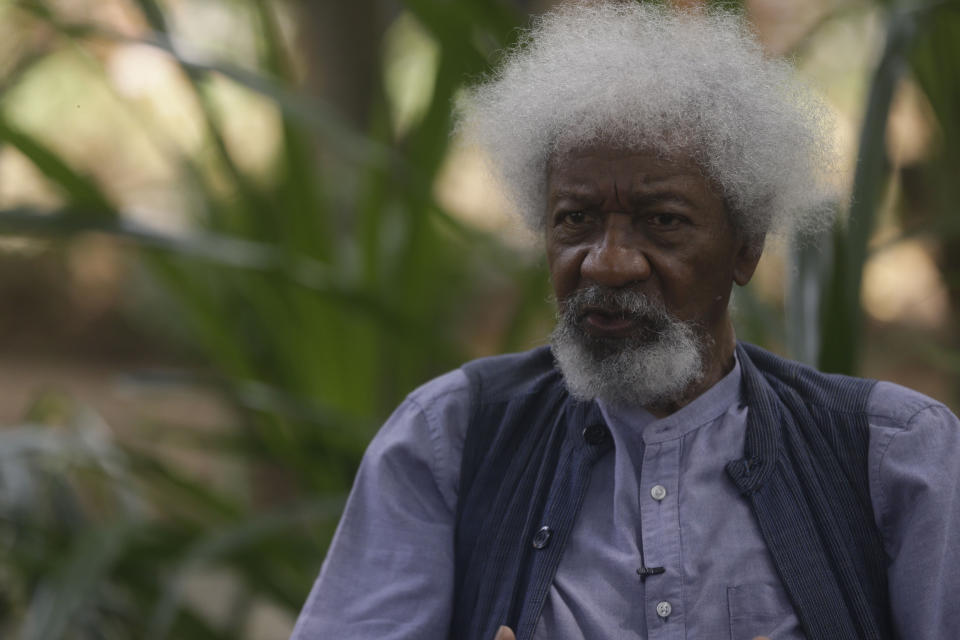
616,258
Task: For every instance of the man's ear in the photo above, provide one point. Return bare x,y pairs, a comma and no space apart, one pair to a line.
747,258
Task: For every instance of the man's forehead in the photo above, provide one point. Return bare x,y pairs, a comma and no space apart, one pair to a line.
596,154
580,171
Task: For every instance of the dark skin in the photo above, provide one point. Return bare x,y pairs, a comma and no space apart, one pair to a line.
621,218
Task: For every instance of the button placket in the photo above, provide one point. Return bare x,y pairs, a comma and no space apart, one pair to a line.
660,520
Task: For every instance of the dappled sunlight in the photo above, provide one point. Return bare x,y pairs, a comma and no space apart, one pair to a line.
466,188
410,59
911,129
902,284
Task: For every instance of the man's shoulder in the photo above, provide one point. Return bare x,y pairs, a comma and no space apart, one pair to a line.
769,362
450,385
491,376
887,403
498,378
831,391
893,405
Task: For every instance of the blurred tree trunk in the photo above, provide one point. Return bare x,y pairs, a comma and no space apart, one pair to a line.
341,39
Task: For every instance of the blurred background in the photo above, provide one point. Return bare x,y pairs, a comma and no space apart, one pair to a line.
235,233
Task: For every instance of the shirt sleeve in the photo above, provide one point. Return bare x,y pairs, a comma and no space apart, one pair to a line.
389,571
915,488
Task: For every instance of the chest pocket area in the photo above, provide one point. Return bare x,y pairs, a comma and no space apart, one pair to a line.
761,610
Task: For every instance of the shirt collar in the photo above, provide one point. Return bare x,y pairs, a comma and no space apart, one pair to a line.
705,408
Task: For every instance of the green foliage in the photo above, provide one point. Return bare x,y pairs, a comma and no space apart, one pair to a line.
917,39
842,322
319,293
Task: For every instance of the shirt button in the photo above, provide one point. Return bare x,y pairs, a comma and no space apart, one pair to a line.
595,434
542,537
664,609
658,492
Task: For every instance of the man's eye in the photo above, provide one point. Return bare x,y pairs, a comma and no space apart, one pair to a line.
572,217
665,220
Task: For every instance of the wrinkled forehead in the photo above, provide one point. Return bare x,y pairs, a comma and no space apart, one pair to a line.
589,168
600,154
667,138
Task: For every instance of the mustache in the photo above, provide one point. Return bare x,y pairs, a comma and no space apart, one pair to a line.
618,303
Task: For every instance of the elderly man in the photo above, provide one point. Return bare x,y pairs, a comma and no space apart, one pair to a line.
647,476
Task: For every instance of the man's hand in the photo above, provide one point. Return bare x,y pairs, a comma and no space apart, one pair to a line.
505,633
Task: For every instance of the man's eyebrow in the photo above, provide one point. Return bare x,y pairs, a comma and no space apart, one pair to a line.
657,195
579,194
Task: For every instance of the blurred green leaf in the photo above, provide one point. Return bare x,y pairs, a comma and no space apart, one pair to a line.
223,250
841,312
318,116
91,203
60,599
236,543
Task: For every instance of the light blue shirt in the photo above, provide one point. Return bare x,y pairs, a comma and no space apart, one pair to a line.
389,572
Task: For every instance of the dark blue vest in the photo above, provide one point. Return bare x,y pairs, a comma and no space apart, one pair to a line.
527,459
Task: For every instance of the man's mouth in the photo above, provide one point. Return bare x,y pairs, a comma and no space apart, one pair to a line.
608,323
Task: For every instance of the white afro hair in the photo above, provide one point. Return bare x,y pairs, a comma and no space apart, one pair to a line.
648,77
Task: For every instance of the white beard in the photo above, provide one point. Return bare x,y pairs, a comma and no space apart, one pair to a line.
654,367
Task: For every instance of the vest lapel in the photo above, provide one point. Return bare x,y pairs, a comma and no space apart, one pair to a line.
824,590
527,464
587,440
